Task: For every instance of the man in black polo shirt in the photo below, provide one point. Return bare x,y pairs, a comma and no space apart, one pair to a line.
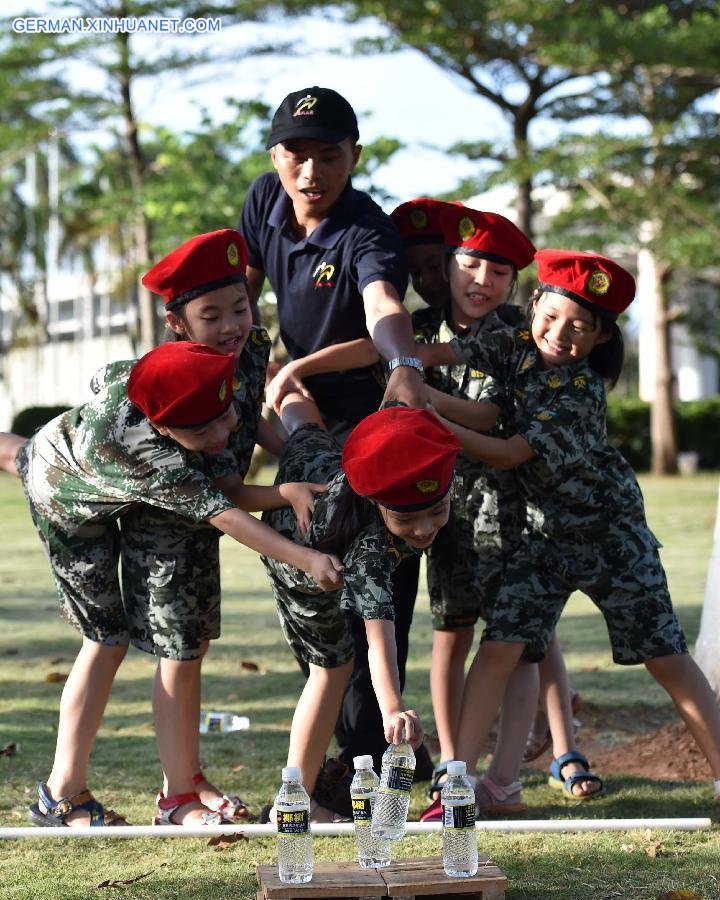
336,264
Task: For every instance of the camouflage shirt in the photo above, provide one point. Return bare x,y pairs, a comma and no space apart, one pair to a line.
577,484
487,497
248,390
369,561
93,461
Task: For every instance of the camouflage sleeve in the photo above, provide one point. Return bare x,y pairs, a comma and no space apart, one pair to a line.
248,391
185,492
488,352
367,578
567,421
111,373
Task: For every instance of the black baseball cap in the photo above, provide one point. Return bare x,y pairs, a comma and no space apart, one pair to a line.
315,113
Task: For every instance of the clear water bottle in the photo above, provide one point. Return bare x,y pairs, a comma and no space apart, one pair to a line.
393,796
294,841
460,854
212,721
373,853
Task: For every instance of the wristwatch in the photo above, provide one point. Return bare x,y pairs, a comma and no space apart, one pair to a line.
413,361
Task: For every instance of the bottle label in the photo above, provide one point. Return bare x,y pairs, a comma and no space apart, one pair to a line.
292,822
213,722
396,779
362,809
460,817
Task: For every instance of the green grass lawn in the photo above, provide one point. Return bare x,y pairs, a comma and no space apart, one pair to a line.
125,771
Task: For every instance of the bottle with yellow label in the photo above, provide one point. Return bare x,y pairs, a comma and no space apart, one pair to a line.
294,841
373,853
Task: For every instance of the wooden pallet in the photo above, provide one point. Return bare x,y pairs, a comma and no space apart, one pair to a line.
406,879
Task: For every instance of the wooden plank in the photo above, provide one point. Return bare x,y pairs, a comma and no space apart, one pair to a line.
426,877
330,880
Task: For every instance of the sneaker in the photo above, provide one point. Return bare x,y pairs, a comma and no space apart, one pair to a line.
332,788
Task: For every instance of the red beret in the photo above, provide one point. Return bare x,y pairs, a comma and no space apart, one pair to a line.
204,263
417,220
485,234
593,281
182,384
400,457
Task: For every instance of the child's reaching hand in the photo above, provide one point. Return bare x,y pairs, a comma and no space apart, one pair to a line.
402,726
301,496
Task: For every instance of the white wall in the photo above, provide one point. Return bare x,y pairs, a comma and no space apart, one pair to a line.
56,373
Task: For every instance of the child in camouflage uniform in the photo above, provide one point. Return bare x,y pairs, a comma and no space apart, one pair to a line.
586,526
388,495
140,441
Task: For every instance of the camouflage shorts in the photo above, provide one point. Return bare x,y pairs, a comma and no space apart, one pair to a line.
462,577
623,576
312,621
168,604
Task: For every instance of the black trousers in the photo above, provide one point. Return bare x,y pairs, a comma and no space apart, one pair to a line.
359,728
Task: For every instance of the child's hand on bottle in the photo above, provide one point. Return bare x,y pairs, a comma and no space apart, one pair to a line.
404,725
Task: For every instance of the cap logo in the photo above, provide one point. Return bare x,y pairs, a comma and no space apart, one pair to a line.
233,254
598,282
222,393
466,228
418,218
427,486
304,106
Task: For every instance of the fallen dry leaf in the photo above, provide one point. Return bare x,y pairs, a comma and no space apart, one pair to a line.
654,850
681,894
9,750
119,881
249,666
590,669
57,661
225,841
627,848
56,677
238,768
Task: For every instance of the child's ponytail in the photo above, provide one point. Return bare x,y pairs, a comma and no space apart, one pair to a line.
352,514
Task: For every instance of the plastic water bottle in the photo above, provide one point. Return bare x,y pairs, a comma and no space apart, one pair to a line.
393,796
212,721
373,853
460,854
294,841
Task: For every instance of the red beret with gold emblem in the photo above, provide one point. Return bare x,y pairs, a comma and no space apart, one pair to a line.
204,263
593,281
418,220
401,458
487,235
182,384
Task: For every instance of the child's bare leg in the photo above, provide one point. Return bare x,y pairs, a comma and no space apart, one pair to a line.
10,445
518,707
296,410
314,719
82,707
484,689
447,680
176,708
694,699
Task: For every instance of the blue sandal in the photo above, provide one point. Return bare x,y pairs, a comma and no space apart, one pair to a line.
557,781
436,785
48,811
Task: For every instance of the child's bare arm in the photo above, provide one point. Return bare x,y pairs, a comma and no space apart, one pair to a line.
268,438
500,453
257,498
336,358
437,355
478,415
399,723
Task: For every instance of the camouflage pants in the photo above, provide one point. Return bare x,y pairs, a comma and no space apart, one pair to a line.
312,621
622,575
169,602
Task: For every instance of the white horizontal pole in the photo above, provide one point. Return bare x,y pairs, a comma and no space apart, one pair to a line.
347,828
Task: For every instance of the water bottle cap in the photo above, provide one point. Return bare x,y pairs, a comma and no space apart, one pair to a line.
456,767
291,773
363,762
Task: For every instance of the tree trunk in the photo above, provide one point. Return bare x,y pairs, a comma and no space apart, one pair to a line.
662,418
708,642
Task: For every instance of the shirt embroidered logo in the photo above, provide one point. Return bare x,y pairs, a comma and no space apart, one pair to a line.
323,275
